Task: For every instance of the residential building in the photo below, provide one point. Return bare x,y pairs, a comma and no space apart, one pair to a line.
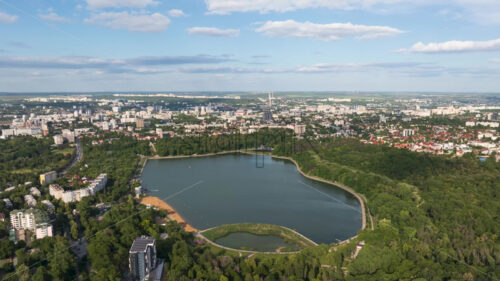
58,139
143,263
43,230
408,132
7,203
300,129
76,195
56,191
35,192
33,220
139,123
30,200
68,135
48,177
50,206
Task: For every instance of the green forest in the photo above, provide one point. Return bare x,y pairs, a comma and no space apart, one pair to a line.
435,218
24,158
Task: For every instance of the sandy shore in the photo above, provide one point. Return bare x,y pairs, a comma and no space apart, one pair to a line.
172,214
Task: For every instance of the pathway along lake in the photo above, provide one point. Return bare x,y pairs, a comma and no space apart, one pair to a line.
240,188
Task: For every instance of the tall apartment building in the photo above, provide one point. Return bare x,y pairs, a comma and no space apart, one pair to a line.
33,220
300,129
139,123
48,177
143,263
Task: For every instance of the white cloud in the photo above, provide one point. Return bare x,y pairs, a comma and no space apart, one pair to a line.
99,4
52,16
212,31
357,67
454,47
325,32
6,18
110,64
495,60
264,6
137,22
482,11
229,69
176,13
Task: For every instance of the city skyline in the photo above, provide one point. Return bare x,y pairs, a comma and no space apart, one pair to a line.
220,45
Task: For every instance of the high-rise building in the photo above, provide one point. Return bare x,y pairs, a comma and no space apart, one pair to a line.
300,129
142,259
34,220
139,123
45,129
268,115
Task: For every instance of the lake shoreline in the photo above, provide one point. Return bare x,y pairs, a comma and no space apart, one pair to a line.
314,178
172,214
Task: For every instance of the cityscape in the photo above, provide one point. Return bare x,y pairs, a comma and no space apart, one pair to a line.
239,140
77,166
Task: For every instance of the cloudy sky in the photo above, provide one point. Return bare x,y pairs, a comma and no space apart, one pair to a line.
250,45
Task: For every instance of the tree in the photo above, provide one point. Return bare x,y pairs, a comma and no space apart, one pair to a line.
23,272
41,274
61,262
6,248
73,229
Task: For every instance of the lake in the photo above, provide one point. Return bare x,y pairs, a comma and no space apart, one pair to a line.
239,188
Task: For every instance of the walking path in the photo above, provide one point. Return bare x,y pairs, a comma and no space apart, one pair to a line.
200,235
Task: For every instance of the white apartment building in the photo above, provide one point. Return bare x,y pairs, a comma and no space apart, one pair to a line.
76,195
35,192
27,219
58,139
30,200
33,220
43,230
408,132
68,135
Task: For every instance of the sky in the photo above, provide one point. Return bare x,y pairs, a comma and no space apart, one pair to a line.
249,45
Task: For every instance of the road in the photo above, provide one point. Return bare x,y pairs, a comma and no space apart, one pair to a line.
78,158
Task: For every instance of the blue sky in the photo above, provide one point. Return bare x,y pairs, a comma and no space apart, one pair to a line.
250,45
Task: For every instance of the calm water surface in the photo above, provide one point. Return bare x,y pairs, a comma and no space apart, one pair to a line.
263,243
234,190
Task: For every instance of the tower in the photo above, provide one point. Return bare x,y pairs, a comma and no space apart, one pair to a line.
268,116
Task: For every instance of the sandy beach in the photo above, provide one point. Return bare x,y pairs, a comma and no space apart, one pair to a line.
172,214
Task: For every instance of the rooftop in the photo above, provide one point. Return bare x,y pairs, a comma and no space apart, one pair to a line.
140,244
